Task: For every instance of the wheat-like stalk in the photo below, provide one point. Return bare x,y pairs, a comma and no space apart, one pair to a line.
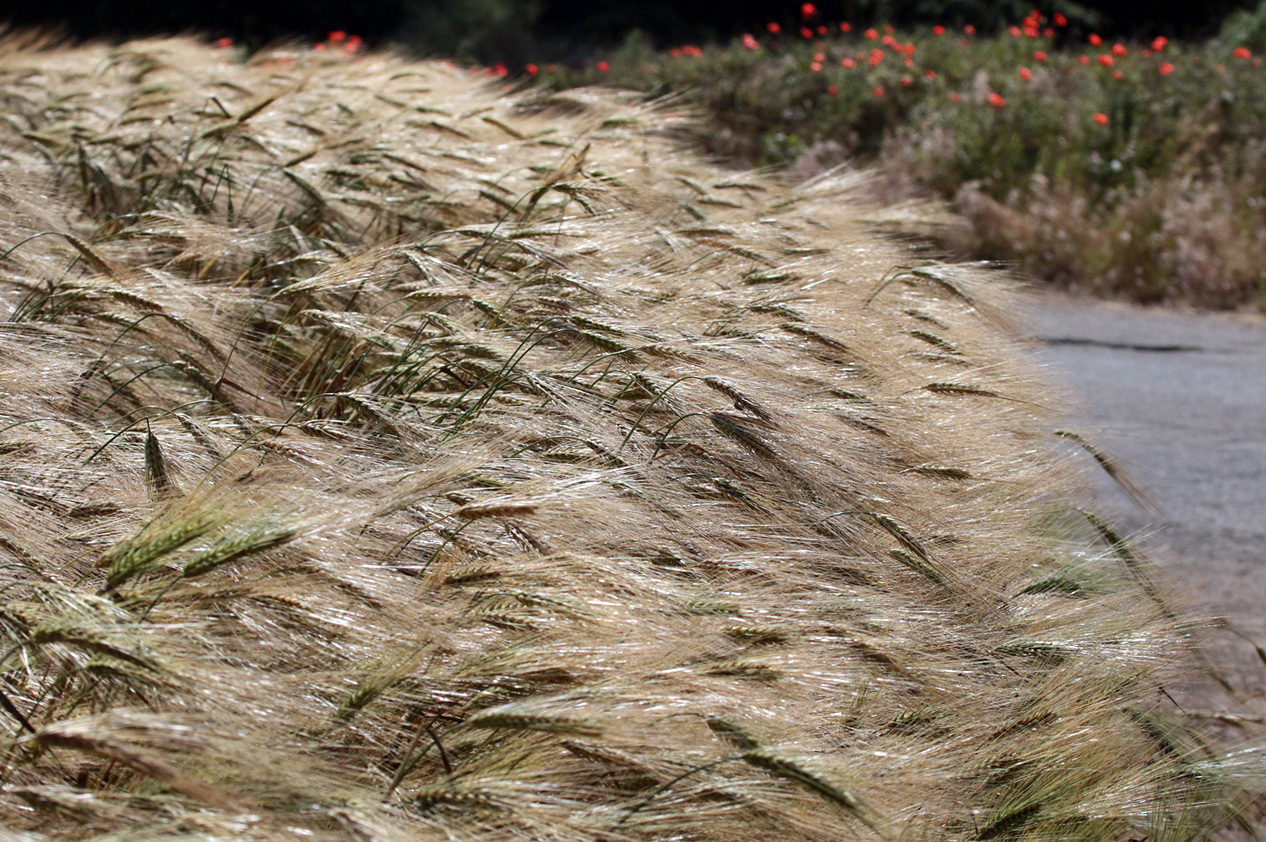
391,456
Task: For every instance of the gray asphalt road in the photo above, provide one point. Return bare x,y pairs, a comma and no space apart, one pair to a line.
1180,398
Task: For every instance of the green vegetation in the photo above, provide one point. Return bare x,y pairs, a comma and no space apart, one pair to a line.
1128,169
390,457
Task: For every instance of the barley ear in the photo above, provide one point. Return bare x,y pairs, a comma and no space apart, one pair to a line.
733,734
797,771
157,476
156,769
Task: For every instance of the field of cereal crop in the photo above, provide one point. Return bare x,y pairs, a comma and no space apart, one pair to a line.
391,456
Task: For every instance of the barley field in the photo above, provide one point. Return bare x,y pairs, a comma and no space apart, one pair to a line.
388,455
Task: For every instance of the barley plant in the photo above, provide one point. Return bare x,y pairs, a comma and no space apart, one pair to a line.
389,456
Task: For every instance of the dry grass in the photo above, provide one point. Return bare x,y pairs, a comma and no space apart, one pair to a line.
1176,240
390,457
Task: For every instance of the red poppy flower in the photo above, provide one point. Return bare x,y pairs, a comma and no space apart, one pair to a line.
871,35
1084,59
603,66
224,42
832,89
808,10
1039,56
806,32
1165,69
1060,20
907,81
938,30
1118,49
996,99
847,62
532,69
879,91
1094,40
1106,60
969,29
749,41
846,27
1159,43
338,36
1026,74
931,74
774,27
1241,52
1100,118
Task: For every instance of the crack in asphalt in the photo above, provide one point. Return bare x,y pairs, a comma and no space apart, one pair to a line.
1118,346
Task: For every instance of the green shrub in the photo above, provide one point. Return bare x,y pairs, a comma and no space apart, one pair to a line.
1017,120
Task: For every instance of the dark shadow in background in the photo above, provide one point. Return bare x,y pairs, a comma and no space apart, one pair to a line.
548,29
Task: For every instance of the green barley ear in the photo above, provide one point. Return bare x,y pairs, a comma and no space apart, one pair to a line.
938,341
733,734
939,279
945,388
920,564
742,402
940,471
550,723
798,771
256,539
496,509
145,551
372,686
1009,820
436,796
157,476
1110,467
63,737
